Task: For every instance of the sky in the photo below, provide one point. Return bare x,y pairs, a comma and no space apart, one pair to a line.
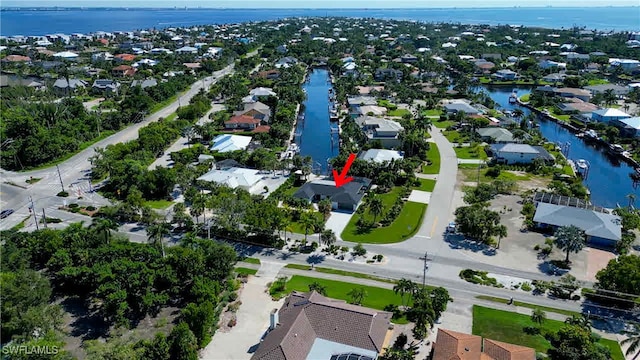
314,3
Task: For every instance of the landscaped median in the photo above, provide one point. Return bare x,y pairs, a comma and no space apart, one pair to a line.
405,225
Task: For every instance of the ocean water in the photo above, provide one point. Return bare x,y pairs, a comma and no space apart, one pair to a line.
42,22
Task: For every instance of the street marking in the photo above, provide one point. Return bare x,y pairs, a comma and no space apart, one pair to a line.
433,228
423,236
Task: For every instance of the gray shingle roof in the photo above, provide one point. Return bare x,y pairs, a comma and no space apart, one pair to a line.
593,223
305,317
351,193
497,134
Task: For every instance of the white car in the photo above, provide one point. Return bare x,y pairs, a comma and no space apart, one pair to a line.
451,228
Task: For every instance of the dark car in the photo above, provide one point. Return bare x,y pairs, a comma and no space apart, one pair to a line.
5,213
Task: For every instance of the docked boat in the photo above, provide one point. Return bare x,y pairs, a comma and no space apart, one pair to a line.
590,135
513,97
616,149
582,164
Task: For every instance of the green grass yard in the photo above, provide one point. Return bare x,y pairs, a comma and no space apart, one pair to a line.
340,272
443,124
298,228
530,306
433,154
245,271
455,136
377,298
158,204
425,185
508,327
398,112
468,152
404,226
432,112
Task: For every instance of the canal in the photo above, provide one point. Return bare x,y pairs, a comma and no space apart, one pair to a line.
315,134
608,179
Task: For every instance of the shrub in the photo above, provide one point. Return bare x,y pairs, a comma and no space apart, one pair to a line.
233,296
359,250
73,206
526,286
232,322
536,248
531,330
90,208
62,194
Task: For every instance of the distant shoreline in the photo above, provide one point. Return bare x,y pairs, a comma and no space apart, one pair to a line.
90,8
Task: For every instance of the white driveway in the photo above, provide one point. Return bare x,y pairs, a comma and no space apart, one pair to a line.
252,319
337,222
420,196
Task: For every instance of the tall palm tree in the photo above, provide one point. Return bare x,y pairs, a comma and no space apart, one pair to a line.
538,316
308,223
156,233
105,226
404,286
633,340
501,232
579,320
570,239
286,225
632,199
375,206
518,113
327,237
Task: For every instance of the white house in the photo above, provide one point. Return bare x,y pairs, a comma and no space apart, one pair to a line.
629,126
505,74
68,55
262,91
548,64
381,155
608,115
379,129
187,50
227,142
519,153
233,177
102,56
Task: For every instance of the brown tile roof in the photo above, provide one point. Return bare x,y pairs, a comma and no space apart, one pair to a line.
305,317
16,58
454,345
262,129
125,57
499,350
242,119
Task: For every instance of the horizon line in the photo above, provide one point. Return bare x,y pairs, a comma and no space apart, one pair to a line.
317,8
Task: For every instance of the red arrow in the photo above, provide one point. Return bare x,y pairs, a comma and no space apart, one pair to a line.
342,179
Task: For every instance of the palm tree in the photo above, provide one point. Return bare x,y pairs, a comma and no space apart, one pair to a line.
357,295
404,286
518,113
308,223
327,237
538,316
501,232
324,206
286,226
579,320
104,225
609,97
632,199
570,239
375,206
317,287
156,233
633,339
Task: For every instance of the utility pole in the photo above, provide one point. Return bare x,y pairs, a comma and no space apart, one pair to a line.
60,177
44,218
33,211
424,268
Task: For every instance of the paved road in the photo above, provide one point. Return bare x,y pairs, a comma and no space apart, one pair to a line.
75,171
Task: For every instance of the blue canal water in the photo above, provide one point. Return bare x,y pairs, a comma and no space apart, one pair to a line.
608,179
42,22
315,137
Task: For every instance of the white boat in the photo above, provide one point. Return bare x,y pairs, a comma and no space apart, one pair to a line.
582,164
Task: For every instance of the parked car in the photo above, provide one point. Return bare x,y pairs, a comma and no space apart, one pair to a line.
5,213
451,228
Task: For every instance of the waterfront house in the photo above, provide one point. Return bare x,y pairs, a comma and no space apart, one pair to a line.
350,69
555,77
629,127
243,122
227,142
566,92
123,70
105,87
62,87
286,62
373,110
505,74
312,326
496,135
617,90
234,177
386,131
600,228
455,106
453,345
346,197
381,155
519,154
355,102
387,74
608,115
256,110
262,91
483,66
577,107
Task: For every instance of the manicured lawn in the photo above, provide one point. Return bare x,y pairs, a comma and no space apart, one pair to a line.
530,306
434,156
251,261
340,272
158,204
426,185
455,136
404,227
525,97
508,327
398,112
377,298
443,124
245,271
593,82
470,152
470,172
298,228
432,112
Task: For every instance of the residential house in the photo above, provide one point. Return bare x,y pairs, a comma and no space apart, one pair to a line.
312,326
105,87
455,106
269,74
256,110
8,80
519,154
483,66
346,197
577,107
386,131
350,69
262,91
505,74
286,62
213,52
145,62
493,57
101,56
187,50
388,74
555,77
408,59
146,83
227,142
356,101
629,127
16,58
549,64
600,228
381,155
617,90
246,179
123,70
244,122
495,135
566,92
627,65
63,87
66,55
608,115
372,110
453,345
120,58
